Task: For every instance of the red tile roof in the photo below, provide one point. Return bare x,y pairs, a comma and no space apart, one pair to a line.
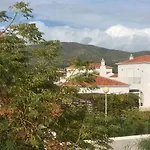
137,60
99,81
91,65
97,65
102,81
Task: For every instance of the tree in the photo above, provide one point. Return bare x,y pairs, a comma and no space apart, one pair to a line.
32,105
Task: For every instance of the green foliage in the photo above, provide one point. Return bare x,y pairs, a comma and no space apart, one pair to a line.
4,17
24,9
32,106
116,103
95,128
81,128
27,86
134,122
124,117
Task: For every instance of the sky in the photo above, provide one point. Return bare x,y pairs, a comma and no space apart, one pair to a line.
114,24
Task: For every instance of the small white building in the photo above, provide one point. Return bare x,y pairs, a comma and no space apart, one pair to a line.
98,68
136,72
104,78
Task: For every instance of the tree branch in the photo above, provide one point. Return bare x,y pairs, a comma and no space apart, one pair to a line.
13,19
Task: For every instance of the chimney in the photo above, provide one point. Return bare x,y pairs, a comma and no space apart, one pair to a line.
102,62
131,57
103,69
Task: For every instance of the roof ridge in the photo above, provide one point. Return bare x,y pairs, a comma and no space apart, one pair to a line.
139,59
112,80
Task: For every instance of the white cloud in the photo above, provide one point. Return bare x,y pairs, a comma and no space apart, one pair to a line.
90,13
115,37
4,4
99,16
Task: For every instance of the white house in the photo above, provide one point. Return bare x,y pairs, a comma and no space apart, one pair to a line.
136,73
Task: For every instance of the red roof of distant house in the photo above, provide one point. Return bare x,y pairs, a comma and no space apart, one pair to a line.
99,81
97,65
137,60
114,76
91,65
102,81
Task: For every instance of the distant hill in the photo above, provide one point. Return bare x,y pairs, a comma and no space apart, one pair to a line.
71,51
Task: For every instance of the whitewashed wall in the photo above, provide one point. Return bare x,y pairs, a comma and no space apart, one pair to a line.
127,71
138,76
128,142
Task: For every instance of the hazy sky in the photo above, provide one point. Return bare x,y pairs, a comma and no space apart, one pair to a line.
117,24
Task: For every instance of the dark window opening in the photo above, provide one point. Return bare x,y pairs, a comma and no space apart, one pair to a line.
141,104
133,90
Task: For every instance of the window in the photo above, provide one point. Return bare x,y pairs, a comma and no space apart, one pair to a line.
133,90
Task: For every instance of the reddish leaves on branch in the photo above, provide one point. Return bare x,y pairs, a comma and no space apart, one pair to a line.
54,110
6,113
54,145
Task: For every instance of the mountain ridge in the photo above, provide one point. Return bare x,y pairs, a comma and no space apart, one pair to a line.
72,50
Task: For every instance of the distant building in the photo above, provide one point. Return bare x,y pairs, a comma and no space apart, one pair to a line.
104,78
99,68
133,76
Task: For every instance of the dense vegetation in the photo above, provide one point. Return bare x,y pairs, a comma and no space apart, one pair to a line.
124,117
35,112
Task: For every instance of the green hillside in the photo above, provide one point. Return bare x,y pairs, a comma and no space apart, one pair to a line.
71,51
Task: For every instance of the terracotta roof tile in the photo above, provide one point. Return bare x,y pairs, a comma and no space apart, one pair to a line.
137,60
97,65
108,82
99,81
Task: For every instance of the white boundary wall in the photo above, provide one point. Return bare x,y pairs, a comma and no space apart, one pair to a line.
127,142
